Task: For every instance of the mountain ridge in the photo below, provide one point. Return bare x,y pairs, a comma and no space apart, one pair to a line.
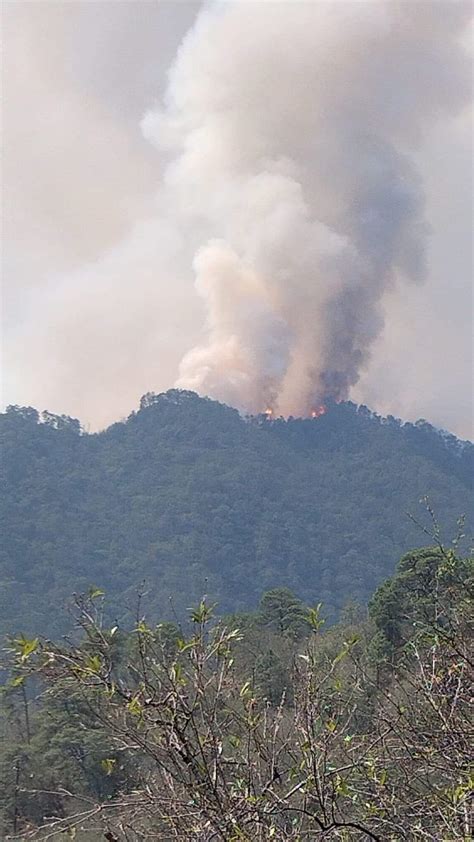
191,497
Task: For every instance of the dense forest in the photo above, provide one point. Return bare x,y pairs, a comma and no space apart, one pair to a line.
262,726
186,497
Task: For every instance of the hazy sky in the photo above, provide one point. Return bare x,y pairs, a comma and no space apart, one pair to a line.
89,324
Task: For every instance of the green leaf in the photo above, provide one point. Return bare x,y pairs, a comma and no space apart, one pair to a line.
342,654
314,618
245,690
94,663
341,786
25,646
202,613
95,592
183,646
108,765
176,673
142,628
134,706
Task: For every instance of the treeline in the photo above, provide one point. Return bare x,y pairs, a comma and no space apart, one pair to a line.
192,498
266,725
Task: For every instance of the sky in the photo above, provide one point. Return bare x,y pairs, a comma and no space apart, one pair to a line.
99,301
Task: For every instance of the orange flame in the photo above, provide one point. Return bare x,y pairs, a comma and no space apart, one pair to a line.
268,412
318,411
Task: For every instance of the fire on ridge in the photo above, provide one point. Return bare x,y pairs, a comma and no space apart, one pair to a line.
315,413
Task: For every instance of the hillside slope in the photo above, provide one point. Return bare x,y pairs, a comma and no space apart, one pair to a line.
188,497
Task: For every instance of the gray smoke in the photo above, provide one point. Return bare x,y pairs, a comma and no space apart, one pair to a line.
292,129
275,221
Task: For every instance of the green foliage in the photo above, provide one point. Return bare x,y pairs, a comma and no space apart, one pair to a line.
280,610
272,728
191,498
272,679
64,748
416,598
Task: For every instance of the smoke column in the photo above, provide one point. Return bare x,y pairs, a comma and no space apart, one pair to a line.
292,130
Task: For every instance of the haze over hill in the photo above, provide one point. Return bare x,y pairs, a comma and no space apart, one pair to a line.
191,498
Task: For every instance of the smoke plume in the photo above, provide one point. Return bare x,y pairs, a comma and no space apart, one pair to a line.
292,129
268,246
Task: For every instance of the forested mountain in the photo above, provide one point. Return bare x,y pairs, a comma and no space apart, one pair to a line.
188,498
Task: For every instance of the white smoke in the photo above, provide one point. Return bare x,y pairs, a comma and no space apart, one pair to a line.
293,129
294,146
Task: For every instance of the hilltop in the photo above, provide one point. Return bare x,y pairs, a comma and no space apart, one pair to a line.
188,497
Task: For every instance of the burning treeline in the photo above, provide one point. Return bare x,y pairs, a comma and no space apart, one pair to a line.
315,413
294,130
